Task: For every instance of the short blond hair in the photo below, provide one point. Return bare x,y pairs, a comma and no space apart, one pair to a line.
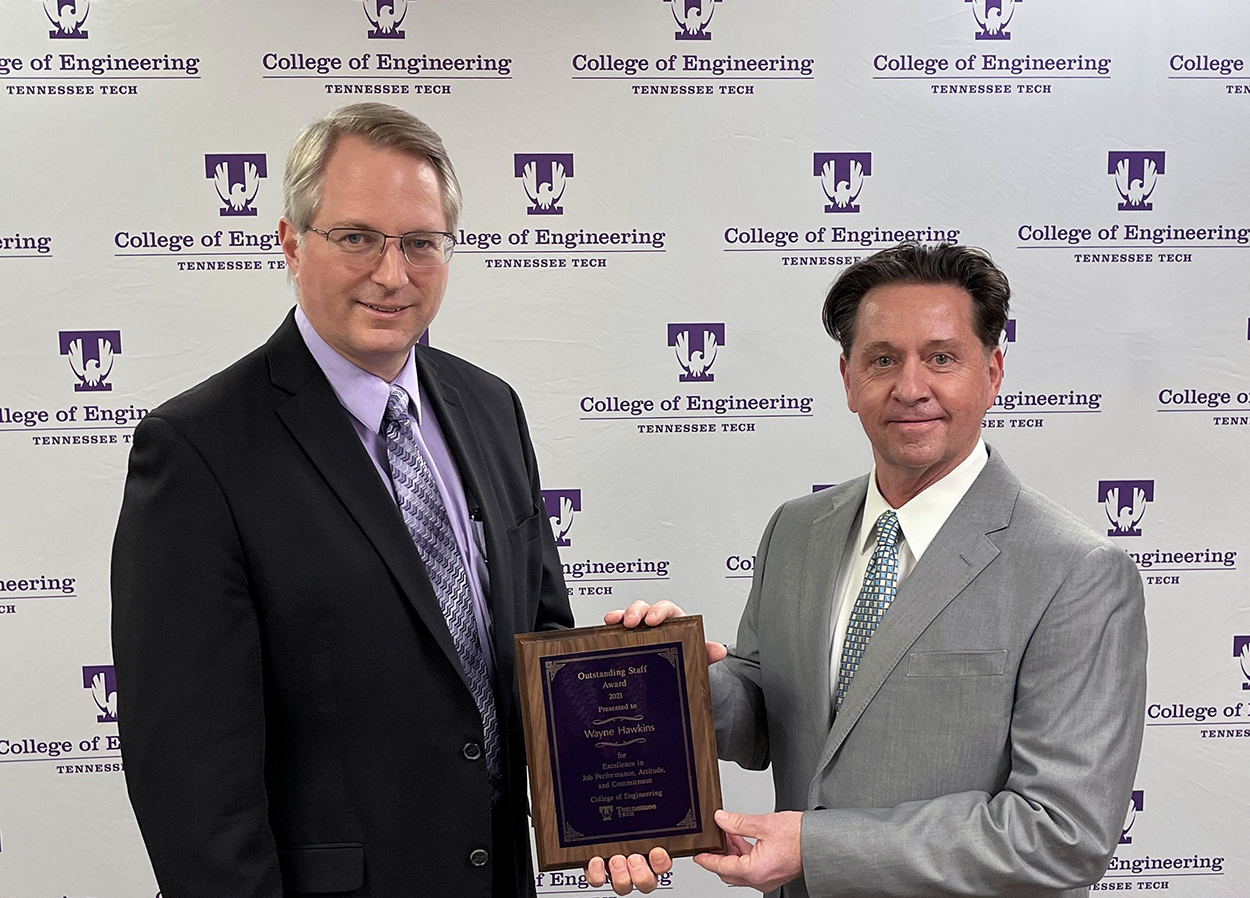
379,124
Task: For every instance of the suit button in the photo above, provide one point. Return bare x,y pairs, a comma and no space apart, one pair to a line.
472,751
478,857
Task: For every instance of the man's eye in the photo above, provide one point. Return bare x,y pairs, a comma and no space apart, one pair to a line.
355,238
942,358
415,242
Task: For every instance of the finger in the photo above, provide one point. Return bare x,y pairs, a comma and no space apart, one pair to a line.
659,860
641,875
662,611
635,613
738,846
716,652
709,861
728,867
619,868
732,868
612,618
738,824
596,872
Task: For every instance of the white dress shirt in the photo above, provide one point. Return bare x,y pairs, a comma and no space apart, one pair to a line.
919,520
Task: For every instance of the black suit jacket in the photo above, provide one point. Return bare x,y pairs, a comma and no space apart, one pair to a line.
294,718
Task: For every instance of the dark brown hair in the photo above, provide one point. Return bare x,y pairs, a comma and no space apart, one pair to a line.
965,267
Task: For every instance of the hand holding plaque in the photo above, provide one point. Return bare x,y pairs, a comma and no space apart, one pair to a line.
640,613
618,731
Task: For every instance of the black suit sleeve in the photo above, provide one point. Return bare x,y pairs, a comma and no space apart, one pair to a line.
553,597
187,652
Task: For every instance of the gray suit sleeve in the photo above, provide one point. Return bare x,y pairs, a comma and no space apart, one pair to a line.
737,689
1076,729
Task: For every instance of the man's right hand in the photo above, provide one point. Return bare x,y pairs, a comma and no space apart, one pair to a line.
653,616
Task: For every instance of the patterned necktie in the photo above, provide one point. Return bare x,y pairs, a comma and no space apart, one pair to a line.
426,517
879,589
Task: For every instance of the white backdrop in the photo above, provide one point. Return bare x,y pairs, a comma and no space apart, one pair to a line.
125,278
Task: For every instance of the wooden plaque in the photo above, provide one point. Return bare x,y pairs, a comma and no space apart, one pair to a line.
620,743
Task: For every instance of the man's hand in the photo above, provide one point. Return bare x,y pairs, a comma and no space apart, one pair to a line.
642,613
629,873
653,616
775,858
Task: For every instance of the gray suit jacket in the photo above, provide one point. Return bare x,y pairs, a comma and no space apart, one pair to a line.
989,740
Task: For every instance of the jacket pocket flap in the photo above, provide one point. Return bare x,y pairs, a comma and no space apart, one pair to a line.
528,527
957,664
323,869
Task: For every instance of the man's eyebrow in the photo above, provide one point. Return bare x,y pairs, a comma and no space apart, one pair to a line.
876,346
886,345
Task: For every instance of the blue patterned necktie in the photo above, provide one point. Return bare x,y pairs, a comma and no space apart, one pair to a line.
426,517
879,589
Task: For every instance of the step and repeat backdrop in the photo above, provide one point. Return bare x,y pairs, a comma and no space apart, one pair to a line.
657,195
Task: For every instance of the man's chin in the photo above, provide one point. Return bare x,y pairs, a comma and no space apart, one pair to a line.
915,456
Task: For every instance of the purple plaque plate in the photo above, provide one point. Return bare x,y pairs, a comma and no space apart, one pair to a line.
619,734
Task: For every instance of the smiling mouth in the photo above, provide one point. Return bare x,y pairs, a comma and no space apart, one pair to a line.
370,305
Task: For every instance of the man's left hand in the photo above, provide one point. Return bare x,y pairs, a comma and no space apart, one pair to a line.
772,860
653,615
629,873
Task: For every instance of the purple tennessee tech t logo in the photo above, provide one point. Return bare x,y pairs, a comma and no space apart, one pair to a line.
692,18
1241,651
91,356
237,178
1136,804
992,17
842,178
67,17
543,175
1135,174
1124,502
385,16
696,346
561,505
103,685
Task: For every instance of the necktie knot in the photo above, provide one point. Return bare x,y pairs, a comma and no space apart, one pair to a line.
887,528
396,407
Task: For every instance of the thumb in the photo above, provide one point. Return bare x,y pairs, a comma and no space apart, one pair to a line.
715,652
738,824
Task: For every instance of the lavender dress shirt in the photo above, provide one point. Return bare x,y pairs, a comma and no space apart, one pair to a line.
364,395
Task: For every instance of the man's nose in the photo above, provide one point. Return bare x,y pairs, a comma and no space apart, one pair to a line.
391,270
913,382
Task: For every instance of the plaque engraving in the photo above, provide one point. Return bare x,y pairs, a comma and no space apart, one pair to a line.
619,740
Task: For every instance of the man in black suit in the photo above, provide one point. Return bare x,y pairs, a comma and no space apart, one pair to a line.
323,554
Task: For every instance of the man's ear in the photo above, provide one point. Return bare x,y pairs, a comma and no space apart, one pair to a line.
288,237
846,383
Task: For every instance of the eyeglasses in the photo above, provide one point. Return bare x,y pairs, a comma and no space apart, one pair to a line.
361,246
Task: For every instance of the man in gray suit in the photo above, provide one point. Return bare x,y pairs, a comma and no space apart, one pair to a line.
945,670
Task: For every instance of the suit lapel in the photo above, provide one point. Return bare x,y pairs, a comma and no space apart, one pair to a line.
959,552
825,546
465,445
318,422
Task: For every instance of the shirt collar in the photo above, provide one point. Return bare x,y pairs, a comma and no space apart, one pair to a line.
922,517
361,393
